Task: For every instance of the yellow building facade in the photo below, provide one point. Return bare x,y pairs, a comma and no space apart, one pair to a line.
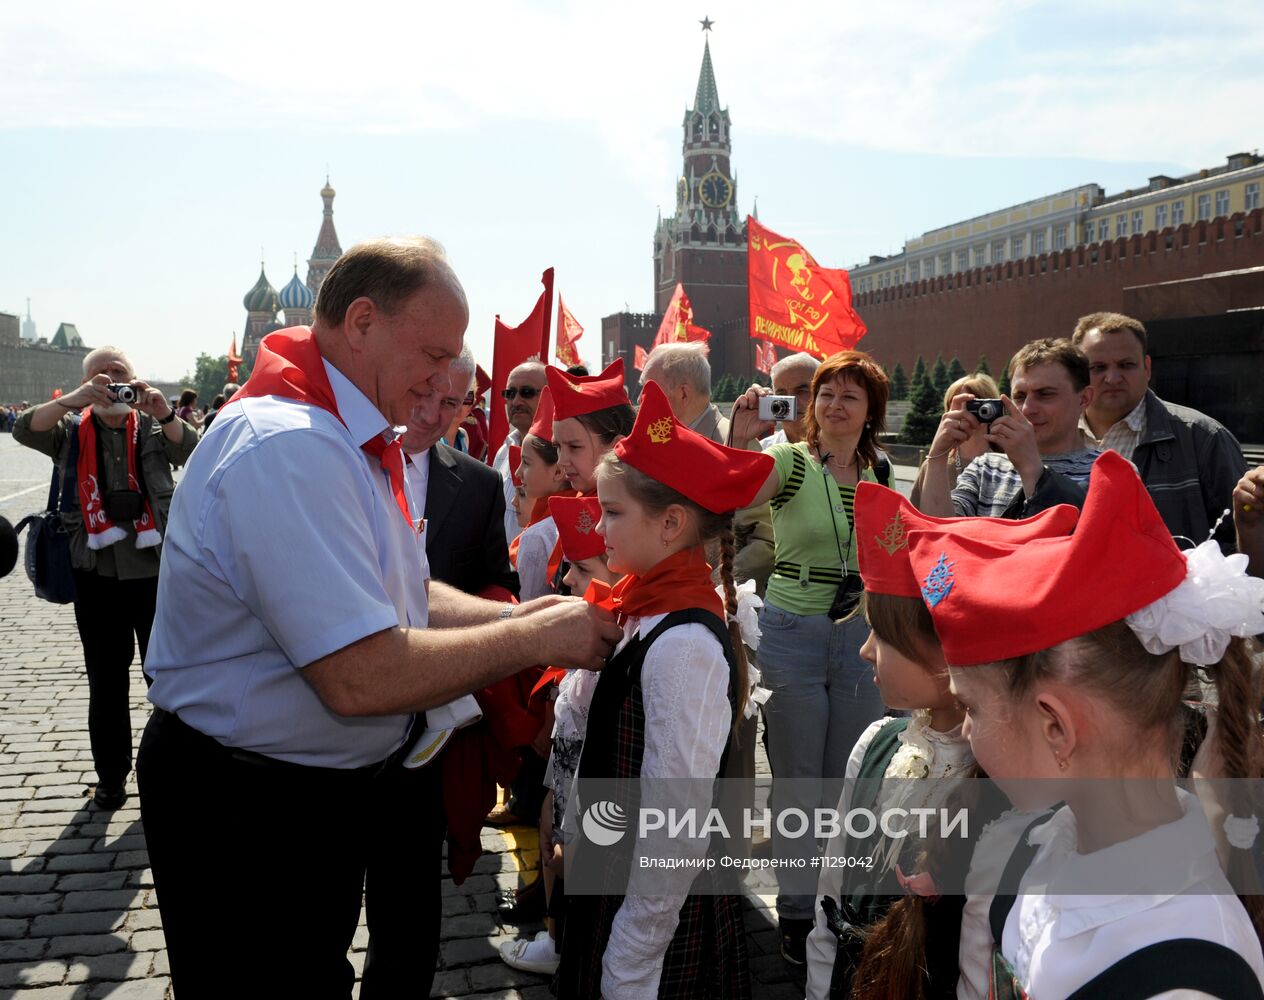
1078,216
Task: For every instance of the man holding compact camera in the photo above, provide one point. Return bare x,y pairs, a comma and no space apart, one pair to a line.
1044,458
115,440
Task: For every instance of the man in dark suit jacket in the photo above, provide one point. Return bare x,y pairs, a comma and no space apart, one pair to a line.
465,544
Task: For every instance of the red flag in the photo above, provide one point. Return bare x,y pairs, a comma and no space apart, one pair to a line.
528,341
794,301
568,333
765,357
640,358
677,325
233,360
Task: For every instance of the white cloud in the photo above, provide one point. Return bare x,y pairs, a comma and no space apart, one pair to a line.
970,78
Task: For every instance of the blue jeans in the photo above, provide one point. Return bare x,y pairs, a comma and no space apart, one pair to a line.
823,697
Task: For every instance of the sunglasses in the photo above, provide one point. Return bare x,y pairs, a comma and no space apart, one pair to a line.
468,400
526,392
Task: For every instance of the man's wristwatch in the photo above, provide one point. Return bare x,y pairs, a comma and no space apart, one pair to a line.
168,418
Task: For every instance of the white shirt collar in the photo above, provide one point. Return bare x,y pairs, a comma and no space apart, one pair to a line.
364,420
1136,419
1180,854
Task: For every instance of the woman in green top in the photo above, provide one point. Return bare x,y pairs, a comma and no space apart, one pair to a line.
823,695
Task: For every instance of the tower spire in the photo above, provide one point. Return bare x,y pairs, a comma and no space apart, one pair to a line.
707,98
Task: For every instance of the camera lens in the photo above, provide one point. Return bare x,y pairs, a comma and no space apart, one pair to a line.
779,409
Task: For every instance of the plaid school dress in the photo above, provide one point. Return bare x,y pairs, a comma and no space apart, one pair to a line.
706,958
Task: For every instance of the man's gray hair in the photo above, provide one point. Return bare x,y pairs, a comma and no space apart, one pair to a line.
229,389
793,362
675,365
91,359
461,371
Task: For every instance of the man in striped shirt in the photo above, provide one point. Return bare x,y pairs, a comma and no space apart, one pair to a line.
1045,459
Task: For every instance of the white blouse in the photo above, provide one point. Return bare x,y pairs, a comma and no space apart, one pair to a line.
684,689
537,544
949,757
1057,938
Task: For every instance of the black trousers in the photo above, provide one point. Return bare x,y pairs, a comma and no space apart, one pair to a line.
402,889
258,866
114,617
526,794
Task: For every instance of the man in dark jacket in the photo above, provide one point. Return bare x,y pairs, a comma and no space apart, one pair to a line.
1188,461
464,506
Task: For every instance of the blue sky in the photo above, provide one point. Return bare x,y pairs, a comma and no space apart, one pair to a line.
148,153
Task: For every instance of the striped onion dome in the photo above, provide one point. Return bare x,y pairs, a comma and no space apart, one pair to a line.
296,295
261,298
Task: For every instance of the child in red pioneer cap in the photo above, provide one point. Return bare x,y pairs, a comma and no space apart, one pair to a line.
572,690
590,413
884,931
664,707
1071,657
541,478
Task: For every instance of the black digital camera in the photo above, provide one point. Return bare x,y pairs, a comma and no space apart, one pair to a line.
985,410
123,392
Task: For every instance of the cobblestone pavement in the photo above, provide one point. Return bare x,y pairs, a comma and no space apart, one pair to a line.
78,912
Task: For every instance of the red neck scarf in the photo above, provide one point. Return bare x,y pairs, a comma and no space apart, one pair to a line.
677,583
102,531
289,364
599,594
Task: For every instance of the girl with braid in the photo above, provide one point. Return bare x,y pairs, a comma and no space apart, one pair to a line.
1070,657
662,713
884,931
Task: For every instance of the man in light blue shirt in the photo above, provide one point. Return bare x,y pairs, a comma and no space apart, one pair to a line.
296,636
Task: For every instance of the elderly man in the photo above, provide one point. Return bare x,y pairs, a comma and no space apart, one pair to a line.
522,397
282,701
792,376
1188,462
684,374
115,460
229,389
1045,459
465,547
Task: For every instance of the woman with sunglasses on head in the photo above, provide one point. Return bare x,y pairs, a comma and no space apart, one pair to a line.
823,696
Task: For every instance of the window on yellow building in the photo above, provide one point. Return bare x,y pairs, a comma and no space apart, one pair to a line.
1204,207
1222,202
1121,226
1178,212
1160,216
1038,241
1016,245
1138,223
1059,237
1252,196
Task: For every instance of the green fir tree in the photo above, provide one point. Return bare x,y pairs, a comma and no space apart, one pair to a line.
899,383
919,372
956,369
1004,382
982,367
923,417
939,376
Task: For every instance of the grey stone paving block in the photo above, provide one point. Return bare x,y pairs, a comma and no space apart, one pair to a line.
85,944
13,928
467,925
29,904
132,859
58,924
131,842
467,951
452,983
101,899
8,793
91,880
144,920
22,950
29,883
148,941
81,863
28,974
70,845
162,966
501,977
50,993
136,989
111,968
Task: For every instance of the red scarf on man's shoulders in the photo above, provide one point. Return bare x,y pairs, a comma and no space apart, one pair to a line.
289,364
102,531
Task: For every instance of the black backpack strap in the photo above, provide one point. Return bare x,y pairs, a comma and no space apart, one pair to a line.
1006,891
1178,964
69,476
798,472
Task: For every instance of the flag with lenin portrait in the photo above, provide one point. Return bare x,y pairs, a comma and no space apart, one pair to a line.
794,302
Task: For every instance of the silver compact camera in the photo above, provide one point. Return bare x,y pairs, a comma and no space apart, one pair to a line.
778,408
123,392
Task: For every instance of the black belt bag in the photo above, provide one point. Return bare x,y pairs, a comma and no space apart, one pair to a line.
846,597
